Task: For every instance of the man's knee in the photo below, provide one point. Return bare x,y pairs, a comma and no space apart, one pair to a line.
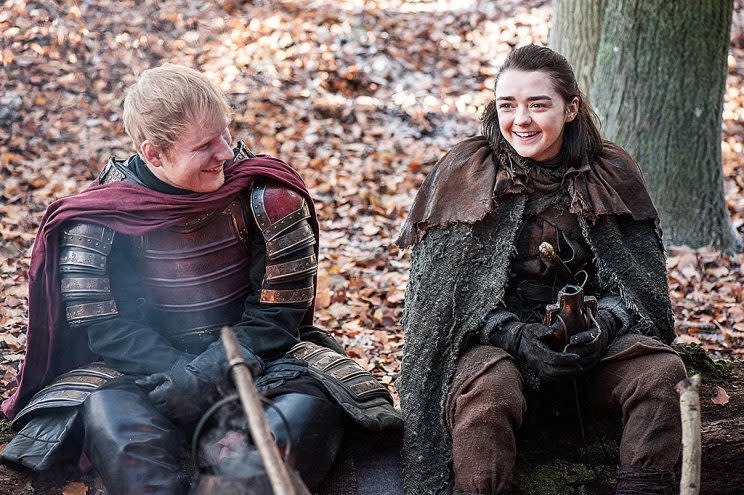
120,415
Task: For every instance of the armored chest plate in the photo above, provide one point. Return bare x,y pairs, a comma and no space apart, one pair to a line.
197,274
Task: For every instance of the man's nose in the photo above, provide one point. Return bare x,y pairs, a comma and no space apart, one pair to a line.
224,152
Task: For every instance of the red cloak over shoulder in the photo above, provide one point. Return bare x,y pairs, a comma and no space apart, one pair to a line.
127,208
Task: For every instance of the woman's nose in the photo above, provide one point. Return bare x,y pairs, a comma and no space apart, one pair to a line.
522,117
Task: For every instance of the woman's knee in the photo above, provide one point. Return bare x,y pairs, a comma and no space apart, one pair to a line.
487,384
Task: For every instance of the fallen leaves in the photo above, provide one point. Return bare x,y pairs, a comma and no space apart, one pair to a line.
361,97
707,291
75,488
721,398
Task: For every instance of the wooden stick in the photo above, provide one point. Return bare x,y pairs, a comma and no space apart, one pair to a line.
689,403
272,461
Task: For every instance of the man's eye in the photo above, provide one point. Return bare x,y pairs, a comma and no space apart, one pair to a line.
505,106
538,105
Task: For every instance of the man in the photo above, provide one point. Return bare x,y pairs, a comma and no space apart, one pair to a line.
132,280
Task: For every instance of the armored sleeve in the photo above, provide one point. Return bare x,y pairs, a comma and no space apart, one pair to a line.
282,217
98,288
284,266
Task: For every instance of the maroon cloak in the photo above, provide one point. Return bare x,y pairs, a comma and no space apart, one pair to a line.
51,347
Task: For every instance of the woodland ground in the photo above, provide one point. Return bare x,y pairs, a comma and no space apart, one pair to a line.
361,97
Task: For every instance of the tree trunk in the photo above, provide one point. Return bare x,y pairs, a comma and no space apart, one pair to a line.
575,34
658,89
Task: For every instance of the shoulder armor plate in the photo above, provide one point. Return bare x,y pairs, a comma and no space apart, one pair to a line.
277,210
69,389
364,398
84,284
88,236
282,217
118,170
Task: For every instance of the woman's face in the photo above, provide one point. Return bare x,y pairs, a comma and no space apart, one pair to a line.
195,162
532,115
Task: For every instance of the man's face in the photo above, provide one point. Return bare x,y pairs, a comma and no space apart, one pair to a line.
532,115
195,162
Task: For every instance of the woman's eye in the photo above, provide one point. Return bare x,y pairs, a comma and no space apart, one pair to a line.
504,106
538,105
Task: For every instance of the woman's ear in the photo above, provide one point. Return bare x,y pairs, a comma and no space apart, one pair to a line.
572,109
151,154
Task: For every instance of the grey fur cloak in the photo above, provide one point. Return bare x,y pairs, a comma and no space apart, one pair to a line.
458,276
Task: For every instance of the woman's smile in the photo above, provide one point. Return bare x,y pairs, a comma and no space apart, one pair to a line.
527,136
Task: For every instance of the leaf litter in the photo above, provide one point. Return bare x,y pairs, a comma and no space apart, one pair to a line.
361,97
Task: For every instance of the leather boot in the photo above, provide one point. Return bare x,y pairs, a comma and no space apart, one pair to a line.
132,446
313,439
635,480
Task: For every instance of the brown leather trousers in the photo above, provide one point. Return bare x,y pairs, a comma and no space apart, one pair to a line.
486,406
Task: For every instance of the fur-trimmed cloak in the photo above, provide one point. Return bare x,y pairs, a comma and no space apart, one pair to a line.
459,270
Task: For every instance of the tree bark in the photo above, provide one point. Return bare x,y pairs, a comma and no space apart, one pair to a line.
575,34
658,89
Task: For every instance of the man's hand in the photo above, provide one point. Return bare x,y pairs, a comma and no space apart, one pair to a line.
591,345
536,354
179,394
187,390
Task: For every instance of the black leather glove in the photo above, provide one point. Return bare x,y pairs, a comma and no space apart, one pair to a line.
533,352
179,393
185,392
591,345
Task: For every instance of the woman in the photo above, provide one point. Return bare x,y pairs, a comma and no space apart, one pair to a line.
502,223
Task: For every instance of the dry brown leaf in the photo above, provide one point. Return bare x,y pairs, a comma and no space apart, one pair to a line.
721,398
75,488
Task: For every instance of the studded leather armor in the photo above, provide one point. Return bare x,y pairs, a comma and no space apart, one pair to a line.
195,276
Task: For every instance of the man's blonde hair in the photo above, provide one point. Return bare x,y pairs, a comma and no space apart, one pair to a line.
166,99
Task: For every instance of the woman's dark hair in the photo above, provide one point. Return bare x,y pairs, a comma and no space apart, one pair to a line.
581,136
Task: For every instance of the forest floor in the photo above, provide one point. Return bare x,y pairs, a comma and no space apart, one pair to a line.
361,97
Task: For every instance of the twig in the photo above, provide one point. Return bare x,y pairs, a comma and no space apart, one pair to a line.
700,325
275,468
689,403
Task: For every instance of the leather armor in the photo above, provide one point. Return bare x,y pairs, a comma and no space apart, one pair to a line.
48,424
67,390
533,283
195,275
363,398
83,266
282,215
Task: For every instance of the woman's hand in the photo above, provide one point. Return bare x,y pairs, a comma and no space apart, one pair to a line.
591,345
534,352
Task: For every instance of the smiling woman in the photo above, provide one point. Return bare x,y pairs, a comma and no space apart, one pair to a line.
504,228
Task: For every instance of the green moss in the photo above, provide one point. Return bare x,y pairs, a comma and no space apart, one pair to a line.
698,362
564,477
5,432
563,466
